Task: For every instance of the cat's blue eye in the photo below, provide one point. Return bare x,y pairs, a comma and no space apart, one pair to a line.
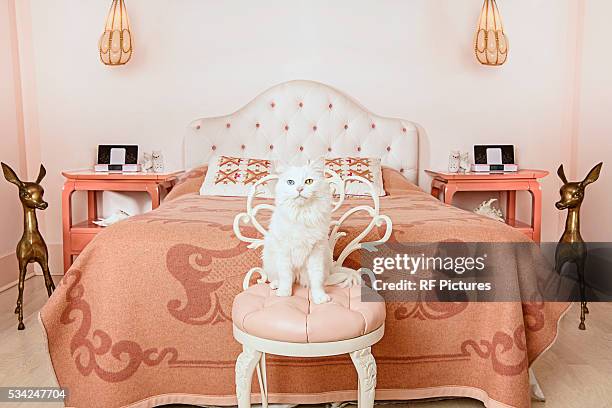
290,182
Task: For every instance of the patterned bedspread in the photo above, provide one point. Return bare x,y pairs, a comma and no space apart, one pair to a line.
143,316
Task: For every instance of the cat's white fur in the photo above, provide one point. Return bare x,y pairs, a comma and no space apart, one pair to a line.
296,246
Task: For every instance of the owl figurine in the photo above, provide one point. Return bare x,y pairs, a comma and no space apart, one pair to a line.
158,161
464,162
147,165
453,161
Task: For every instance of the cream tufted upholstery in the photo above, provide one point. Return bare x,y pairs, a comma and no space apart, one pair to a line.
302,120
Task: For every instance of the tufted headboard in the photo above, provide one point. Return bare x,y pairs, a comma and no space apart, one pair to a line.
301,120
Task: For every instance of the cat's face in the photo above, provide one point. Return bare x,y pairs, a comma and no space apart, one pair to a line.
301,184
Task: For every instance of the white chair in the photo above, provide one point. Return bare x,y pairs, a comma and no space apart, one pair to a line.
296,327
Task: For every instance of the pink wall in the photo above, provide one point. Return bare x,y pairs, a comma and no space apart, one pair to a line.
198,58
594,135
11,132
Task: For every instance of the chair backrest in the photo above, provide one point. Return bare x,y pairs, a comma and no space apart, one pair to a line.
338,186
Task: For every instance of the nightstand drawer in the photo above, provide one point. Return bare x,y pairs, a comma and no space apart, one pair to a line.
78,241
81,234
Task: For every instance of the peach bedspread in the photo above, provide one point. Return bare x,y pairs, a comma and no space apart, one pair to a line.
143,316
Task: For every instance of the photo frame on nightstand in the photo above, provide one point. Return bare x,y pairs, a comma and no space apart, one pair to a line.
494,154
117,154
494,158
117,158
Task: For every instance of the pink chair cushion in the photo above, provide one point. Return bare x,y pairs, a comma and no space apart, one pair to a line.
259,312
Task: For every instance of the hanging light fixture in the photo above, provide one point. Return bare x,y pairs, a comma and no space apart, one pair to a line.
116,42
491,44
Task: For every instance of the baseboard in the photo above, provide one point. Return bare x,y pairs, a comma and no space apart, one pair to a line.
9,270
13,284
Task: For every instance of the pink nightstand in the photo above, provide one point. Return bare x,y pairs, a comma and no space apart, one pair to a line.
522,180
77,236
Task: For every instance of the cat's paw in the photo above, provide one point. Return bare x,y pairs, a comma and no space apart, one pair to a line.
274,284
283,292
320,298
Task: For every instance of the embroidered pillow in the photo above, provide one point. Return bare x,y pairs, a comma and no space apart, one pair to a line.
236,176
368,168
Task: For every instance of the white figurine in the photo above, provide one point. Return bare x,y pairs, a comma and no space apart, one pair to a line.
113,219
158,161
464,162
453,161
486,208
147,166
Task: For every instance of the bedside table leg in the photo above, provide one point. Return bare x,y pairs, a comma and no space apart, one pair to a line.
153,190
536,210
511,205
67,223
449,192
92,206
435,191
436,188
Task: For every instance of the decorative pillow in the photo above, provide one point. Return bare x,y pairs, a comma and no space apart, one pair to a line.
368,168
235,176
188,183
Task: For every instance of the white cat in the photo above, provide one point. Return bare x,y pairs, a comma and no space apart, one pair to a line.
296,246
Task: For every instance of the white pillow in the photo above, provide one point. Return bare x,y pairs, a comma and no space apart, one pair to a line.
235,176
368,168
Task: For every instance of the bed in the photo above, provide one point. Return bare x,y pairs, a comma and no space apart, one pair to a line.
142,318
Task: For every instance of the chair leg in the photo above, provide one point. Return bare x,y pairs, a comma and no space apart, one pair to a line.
366,371
263,382
245,365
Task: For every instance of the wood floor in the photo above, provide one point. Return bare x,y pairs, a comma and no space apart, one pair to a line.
575,373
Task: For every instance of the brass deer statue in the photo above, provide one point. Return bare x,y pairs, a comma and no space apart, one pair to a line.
571,247
31,248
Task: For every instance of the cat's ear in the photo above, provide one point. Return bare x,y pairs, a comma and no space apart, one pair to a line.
318,165
279,167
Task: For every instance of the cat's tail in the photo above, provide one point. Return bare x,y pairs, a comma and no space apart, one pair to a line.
343,277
